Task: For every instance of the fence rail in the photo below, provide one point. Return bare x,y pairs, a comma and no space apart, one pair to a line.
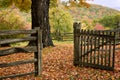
36,49
65,36
10,32
94,48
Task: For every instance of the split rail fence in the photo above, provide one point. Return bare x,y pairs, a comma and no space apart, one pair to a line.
36,38
65,36
95,48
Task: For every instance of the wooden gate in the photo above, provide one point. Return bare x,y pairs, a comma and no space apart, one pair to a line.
36,49
94,48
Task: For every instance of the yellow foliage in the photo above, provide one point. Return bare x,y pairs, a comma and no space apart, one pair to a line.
83,3
23,4
72,4
80,3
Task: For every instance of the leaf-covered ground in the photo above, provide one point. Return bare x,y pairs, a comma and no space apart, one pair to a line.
58,65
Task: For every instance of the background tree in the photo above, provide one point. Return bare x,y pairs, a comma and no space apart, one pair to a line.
23,5
40,17
61,21
111,22
80,3
39,12
53,3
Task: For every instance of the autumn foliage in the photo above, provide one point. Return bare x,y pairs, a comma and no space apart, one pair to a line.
58,65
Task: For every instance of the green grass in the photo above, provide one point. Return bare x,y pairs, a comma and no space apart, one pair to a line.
62,42
19,44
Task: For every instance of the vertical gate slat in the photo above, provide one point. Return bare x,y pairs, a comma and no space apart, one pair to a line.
102,48
80,51
110,48
87,46
114,43
95,47
84,44
104,43
98,47
106,50
81,48
78,48
91,47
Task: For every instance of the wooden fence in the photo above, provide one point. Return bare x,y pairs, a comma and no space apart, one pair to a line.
65,36
93,48
37,48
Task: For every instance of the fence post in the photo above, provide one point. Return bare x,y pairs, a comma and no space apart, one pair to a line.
38,54
76,27
40,46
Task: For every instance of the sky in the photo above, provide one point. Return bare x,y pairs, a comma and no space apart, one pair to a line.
115,4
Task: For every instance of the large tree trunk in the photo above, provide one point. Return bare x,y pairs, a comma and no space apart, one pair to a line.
40,18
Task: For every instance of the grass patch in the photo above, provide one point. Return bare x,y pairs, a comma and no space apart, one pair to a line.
62,42
19,44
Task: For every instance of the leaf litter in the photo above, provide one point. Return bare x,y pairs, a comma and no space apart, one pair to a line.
57,64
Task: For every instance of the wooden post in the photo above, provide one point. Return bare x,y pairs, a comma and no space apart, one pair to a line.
38,54
76,27
40,46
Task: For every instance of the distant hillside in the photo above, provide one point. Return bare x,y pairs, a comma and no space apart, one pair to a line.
93,12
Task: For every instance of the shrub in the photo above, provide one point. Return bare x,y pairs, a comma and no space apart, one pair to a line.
11,20
111,22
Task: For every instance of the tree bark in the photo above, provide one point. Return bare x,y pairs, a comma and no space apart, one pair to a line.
40,18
